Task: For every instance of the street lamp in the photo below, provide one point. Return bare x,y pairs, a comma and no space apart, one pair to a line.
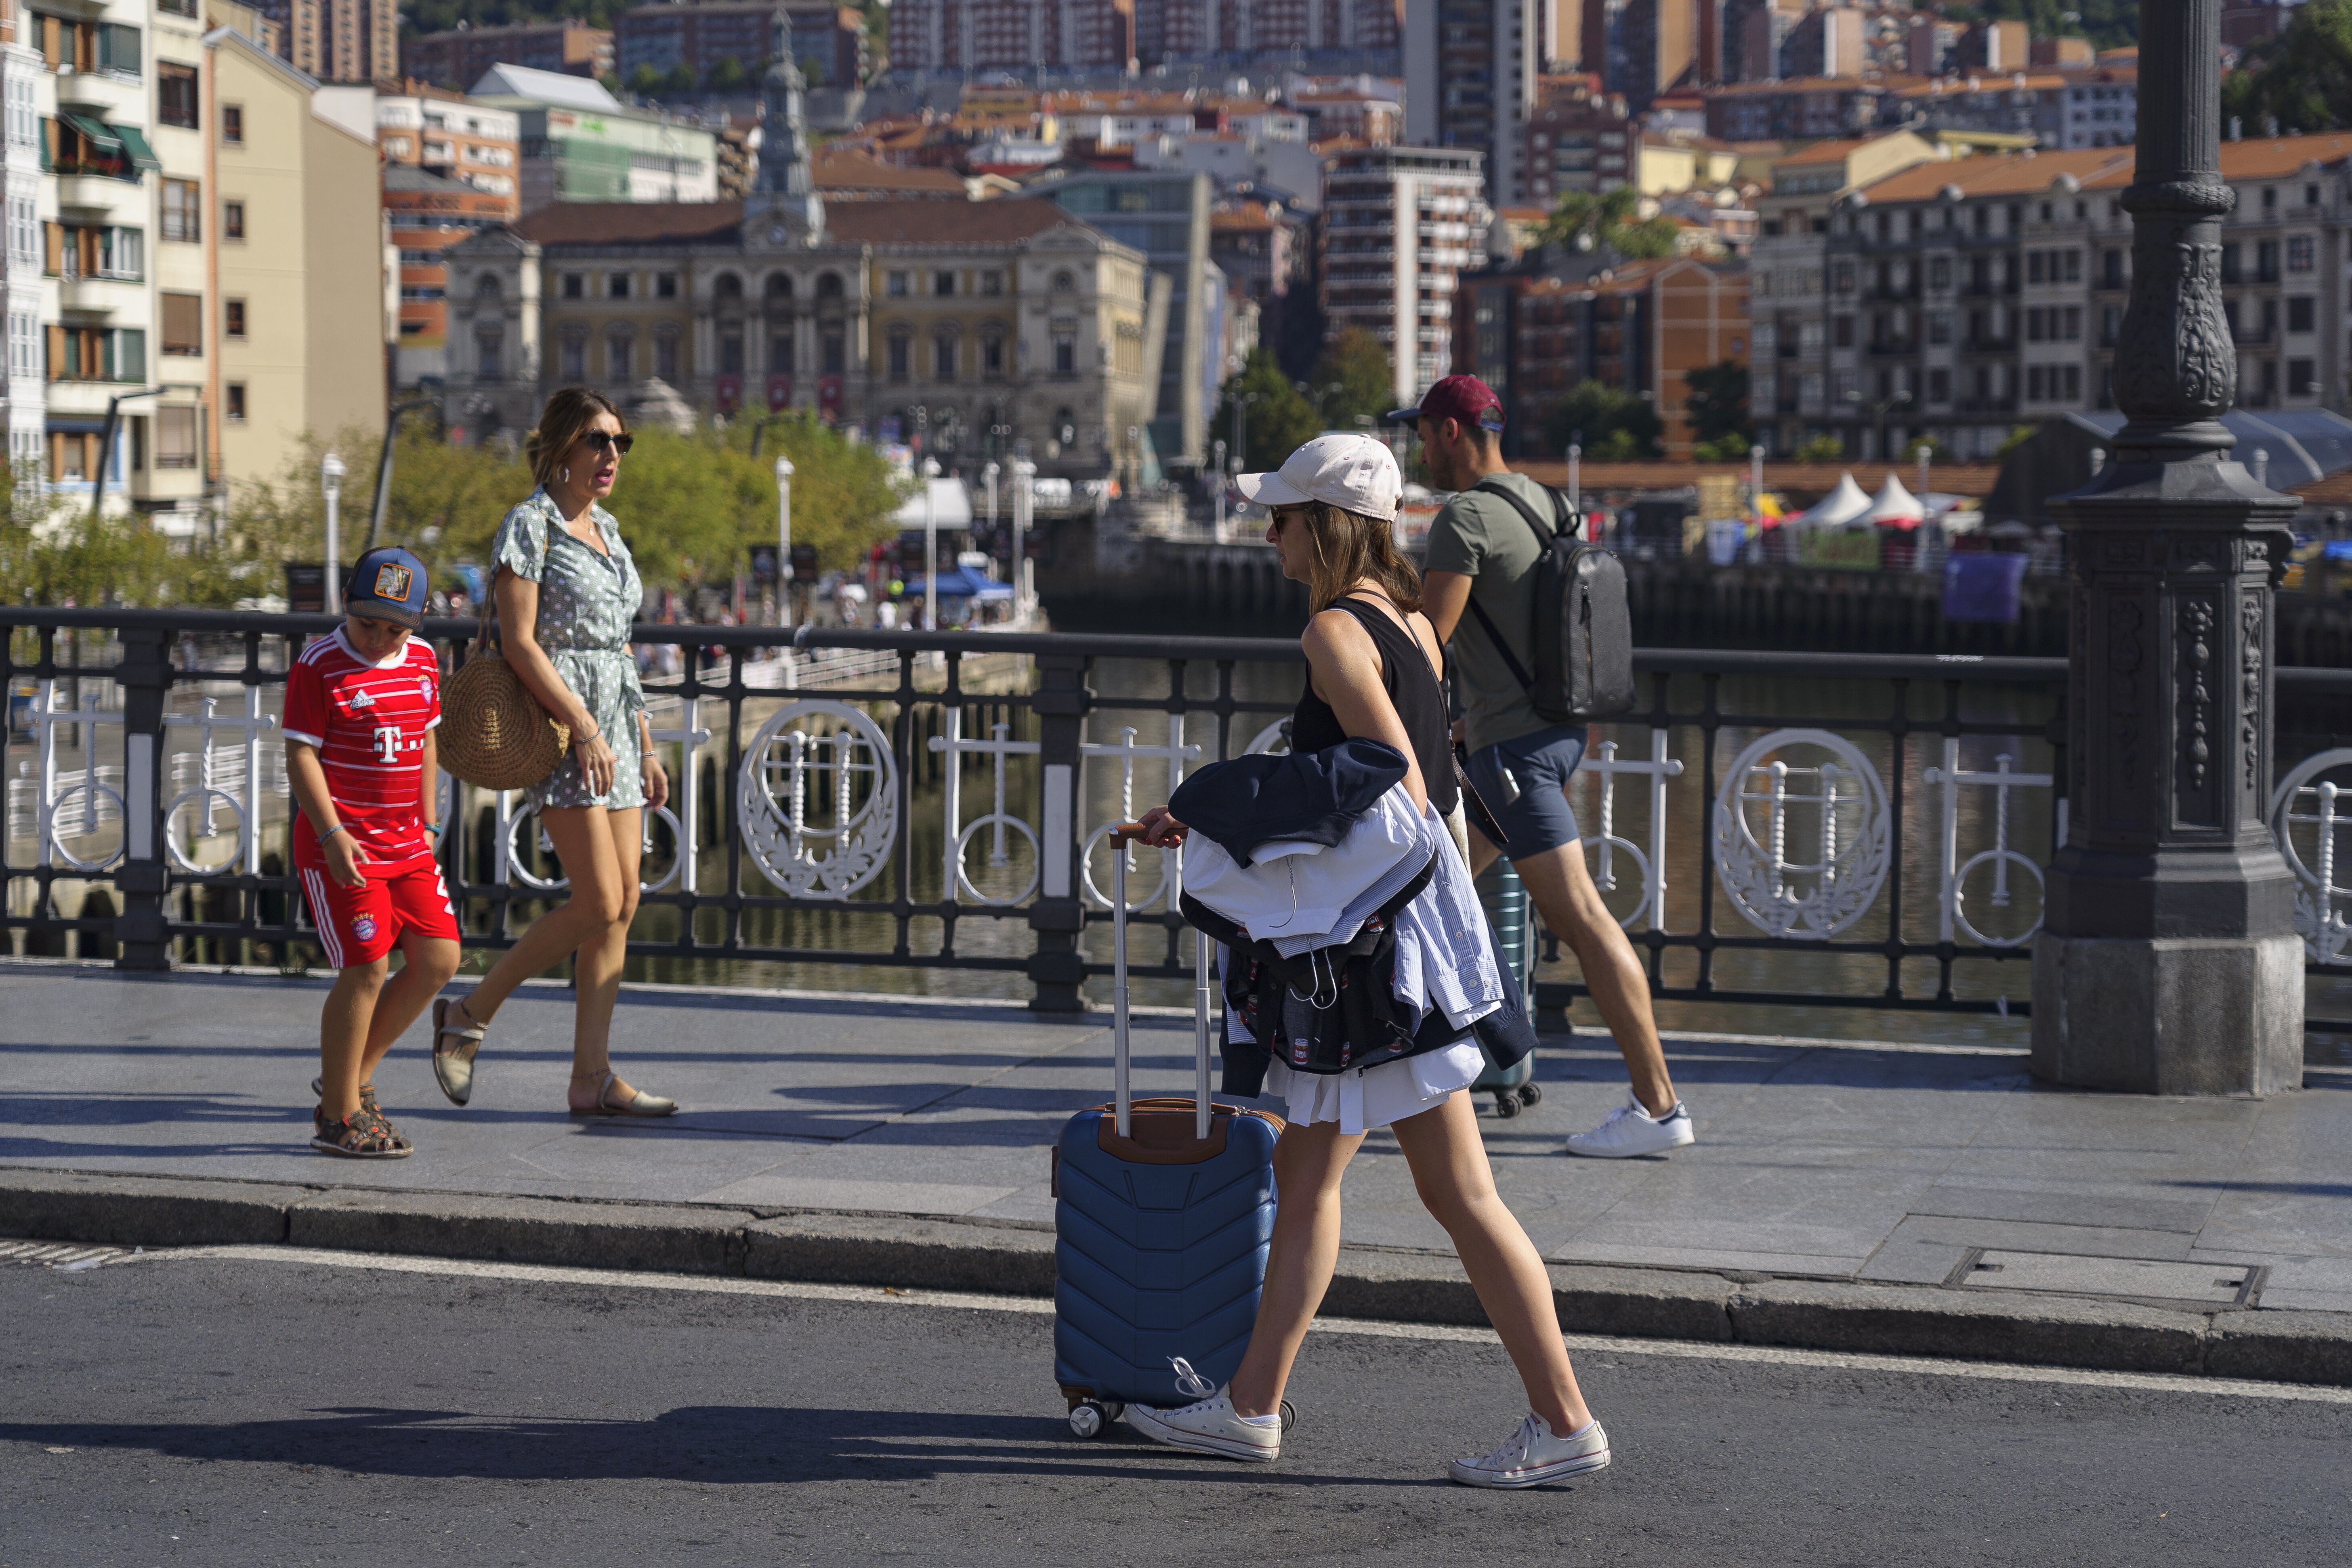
331,481
1220,447
1878,411
783,540
108,433
1241,423
1576,471
988,473
930,547
383,463
1024,501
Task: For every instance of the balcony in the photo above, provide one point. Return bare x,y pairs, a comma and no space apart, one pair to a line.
1889,346
1990,345
2253,334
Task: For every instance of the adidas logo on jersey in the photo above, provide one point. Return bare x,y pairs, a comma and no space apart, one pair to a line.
363,699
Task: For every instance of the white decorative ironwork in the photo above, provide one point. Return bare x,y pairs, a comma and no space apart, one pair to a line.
1953,872
1175,754
210,776
2319,901
1605,765
514,870
99,802
1812,899
1273,740
850,765
958,834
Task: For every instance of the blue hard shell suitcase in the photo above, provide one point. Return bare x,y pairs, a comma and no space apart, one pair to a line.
1163,1211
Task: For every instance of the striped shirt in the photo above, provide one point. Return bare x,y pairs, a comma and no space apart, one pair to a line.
368,724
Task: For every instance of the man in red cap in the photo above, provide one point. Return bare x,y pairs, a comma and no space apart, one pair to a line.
1482,553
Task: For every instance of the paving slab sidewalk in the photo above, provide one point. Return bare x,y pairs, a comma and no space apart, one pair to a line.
1933,1179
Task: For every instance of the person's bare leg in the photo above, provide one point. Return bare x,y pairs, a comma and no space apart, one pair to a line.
344,1026
1307,1164
559,932
430,962
1562,890
598,975
1458,1186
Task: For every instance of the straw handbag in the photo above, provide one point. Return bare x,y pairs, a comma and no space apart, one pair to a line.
493,733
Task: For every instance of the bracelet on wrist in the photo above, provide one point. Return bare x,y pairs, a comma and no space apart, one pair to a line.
326,834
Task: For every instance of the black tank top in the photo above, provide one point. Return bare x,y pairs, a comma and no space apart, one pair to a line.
1412,688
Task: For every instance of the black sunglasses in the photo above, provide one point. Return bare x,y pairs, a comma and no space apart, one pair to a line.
604,441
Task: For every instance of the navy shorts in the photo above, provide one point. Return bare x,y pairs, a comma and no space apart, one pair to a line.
1525,784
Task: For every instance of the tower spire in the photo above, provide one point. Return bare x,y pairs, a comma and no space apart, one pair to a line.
787,187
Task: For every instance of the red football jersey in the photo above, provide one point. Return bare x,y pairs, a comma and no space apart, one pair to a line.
368,722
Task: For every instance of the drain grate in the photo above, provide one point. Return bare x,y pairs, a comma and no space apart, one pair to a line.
2206,1285
60,1254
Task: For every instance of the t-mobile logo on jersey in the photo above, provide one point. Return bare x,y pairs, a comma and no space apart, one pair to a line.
387,742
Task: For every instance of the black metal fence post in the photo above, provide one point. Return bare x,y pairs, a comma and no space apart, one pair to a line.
1057,967
141,934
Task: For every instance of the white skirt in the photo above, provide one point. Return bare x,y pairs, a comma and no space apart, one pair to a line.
1362,1099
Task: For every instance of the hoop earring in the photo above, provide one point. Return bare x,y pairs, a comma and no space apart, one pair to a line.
565,477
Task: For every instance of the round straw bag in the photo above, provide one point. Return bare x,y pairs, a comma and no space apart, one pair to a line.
493,733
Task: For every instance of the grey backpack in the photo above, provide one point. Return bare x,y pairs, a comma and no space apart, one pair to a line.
1583,632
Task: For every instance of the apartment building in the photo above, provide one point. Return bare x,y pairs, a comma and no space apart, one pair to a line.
448,134
2098,107
1578,139
1358,110
828,42
1400,225
338,41
458,59
1165,215
1472,72
301,328
1168,30
1798,110
29,90
967,36
579,144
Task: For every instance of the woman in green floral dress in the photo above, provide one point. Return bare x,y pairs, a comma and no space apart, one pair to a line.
567,593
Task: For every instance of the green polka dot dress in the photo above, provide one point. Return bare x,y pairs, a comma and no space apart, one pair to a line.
587,602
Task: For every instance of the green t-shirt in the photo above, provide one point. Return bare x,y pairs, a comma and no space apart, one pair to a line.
1487,539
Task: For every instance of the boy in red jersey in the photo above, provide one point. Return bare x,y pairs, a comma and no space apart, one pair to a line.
360,705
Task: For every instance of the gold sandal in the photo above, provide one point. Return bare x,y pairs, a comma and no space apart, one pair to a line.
454,1070
641,1104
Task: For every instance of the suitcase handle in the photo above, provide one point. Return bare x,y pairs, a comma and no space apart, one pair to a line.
1123,1093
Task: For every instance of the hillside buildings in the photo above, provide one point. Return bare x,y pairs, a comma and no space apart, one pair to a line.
459,59
1400,225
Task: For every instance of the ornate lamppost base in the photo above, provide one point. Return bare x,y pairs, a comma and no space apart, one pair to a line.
2177,1015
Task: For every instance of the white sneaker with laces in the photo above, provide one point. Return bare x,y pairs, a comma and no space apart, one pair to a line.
1630,1131
1534,1455
1211,1424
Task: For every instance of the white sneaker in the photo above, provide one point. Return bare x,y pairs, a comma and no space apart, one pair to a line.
1631,1131
1211,1426
1534,1455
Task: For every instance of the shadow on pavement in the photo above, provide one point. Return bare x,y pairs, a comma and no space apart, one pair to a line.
713,1443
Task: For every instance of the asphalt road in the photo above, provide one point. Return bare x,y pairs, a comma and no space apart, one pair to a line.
238,1410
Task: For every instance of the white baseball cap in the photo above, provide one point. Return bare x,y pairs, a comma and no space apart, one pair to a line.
1354,473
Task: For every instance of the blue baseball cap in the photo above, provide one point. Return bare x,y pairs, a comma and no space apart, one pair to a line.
387,584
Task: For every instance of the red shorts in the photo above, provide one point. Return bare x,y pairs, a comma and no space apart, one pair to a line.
361,925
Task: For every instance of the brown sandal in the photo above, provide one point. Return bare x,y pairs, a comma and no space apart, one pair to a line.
367,1095
361,1136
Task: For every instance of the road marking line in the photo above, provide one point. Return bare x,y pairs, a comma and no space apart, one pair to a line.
1587,1344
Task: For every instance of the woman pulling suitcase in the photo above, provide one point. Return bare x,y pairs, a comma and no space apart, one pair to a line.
1372,659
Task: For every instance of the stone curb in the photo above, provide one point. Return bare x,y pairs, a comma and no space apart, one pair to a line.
1015,1259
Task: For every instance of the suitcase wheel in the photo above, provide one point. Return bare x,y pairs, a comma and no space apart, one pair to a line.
1530,1093
1506,1103
1289,1417
1091,1418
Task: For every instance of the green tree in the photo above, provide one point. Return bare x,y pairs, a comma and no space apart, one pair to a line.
1821,448
1353,380
1717,403
681,80
644,81
1583,221
1936,450
2302,76
728,75
1276,420
1612,426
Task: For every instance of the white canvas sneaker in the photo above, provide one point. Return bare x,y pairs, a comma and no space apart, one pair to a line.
1534,1455
1210,1425
1631,1131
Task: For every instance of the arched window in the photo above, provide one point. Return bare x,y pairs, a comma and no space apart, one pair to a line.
900,353
828,286
780,285
488,289
943,357
992,353
726,286
1064,283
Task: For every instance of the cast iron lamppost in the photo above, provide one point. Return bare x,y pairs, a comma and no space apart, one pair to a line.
783,540
330,482
2168,961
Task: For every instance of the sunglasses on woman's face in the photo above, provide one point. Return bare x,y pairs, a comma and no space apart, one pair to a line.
602,441
1283,514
